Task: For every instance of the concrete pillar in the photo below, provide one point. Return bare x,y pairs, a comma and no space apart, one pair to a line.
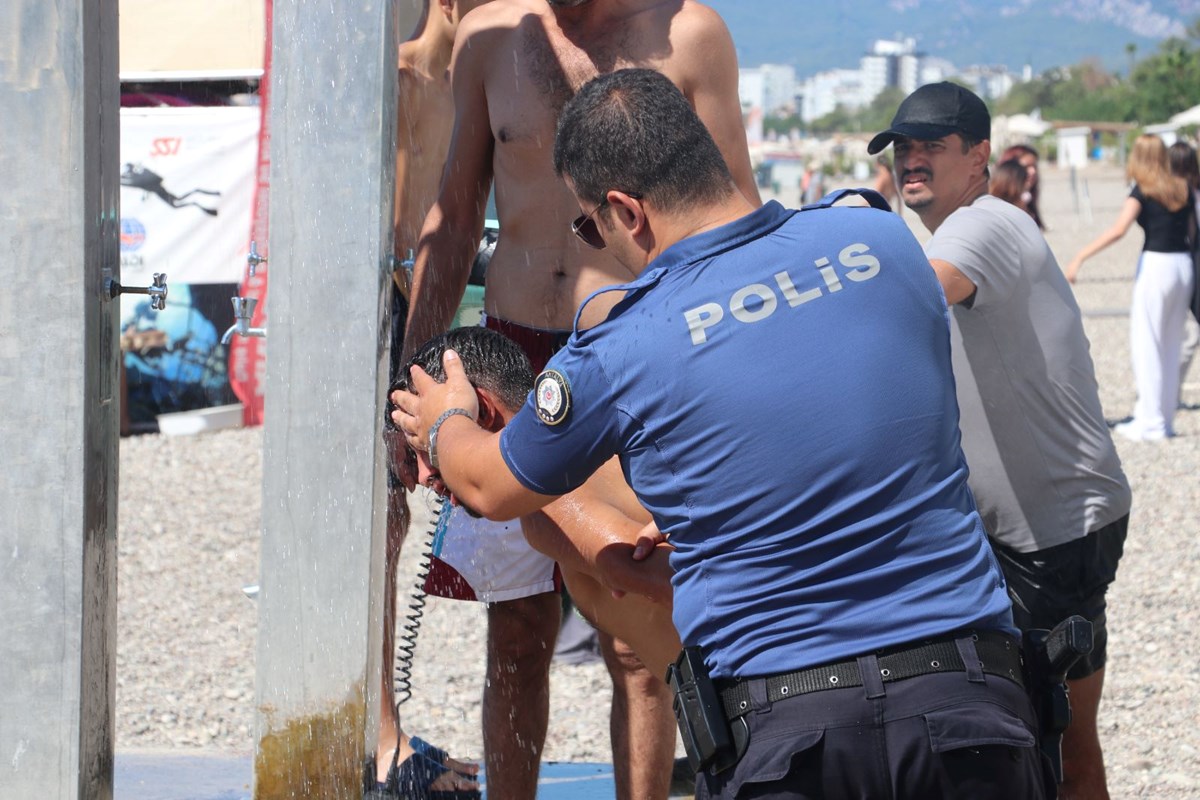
59,167
333,87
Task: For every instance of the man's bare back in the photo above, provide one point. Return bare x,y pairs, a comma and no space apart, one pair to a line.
516,62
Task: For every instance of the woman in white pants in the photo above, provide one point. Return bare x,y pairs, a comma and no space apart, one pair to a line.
1163,206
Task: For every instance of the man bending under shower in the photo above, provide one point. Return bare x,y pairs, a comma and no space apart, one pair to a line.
602,541
406,766
515,63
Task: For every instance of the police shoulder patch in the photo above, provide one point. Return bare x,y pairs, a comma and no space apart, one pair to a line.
553,399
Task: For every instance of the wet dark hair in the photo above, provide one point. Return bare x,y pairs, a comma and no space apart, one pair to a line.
633,131
491,361
1008,182
1182,158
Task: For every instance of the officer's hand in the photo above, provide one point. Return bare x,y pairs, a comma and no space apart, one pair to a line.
652,580
648,538
417,410
649,577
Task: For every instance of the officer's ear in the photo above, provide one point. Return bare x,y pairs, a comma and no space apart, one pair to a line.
628,212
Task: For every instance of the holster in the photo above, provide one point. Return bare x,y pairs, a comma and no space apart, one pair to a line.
710,741
1048,657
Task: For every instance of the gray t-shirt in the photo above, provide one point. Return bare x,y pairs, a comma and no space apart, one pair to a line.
1043,466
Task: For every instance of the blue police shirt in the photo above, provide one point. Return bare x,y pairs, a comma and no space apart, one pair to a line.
780,394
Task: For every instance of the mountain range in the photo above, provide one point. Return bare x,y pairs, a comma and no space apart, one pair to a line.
815,36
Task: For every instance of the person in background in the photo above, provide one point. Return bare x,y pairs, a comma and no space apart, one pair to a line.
1164,206
1027,157
885,183
1182,157
1008,183
1043,468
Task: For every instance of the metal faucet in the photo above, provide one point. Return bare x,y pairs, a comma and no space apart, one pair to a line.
254,259
243,307
243,310
157,290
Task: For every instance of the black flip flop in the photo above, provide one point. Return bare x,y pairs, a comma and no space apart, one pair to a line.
414,776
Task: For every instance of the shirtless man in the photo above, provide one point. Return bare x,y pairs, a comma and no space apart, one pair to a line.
426,115
515,63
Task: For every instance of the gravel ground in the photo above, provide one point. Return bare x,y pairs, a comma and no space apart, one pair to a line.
185,659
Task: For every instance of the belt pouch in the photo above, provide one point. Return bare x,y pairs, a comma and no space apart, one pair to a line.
702,724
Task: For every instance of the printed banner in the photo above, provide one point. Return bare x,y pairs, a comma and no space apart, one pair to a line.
187,189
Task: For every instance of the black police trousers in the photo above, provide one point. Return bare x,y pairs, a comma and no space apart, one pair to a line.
944,735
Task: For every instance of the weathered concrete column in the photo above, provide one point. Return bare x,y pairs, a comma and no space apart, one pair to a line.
59,168
333,89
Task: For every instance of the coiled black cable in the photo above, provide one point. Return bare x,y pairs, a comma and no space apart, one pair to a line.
406,642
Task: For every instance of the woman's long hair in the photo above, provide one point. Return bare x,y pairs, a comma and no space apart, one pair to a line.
1148,168
1182,159
1008,182
1032,178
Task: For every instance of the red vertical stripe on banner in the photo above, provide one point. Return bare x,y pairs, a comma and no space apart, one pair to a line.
247,355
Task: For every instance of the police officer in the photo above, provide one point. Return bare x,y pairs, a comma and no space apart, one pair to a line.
778,387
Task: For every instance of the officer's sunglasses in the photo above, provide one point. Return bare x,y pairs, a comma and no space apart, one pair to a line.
586,229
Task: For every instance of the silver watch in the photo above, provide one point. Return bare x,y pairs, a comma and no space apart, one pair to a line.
433,431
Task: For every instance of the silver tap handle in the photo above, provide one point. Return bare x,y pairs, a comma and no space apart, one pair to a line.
157,290
253,258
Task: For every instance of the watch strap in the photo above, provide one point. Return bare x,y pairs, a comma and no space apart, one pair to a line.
433,431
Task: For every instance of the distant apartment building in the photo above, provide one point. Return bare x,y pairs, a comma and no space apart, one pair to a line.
825,91
891,63
990,83
887,63
771,88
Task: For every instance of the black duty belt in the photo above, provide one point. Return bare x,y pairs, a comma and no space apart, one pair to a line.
998,655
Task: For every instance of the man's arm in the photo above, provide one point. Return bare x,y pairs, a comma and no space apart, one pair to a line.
955,285
599,525
450,235
710,81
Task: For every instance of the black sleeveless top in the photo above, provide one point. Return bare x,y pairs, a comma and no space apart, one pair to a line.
1166,231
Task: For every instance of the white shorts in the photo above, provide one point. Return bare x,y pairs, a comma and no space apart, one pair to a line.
477,559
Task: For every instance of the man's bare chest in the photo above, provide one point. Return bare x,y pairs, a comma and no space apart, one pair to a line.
526,98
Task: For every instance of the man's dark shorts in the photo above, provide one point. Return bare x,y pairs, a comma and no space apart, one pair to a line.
1047,586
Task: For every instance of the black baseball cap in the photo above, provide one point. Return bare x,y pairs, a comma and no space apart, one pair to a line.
936,110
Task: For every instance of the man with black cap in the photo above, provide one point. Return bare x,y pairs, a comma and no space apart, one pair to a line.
1044,471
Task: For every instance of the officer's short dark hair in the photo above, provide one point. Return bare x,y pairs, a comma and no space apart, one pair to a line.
491,361
633,131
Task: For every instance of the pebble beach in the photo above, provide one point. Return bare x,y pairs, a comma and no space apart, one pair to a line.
186,630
